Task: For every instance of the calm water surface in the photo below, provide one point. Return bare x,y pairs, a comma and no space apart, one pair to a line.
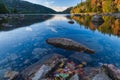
25,42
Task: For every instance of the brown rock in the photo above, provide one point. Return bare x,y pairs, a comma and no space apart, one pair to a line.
68,44
11,75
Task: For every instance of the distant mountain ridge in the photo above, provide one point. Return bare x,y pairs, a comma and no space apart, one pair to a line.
20,6
67,11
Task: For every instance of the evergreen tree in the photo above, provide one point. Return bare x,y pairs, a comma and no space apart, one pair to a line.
3,8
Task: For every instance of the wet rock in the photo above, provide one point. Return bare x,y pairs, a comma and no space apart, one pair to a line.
11,75
68,44
101,76
111,71
90,72
75,77
41,72
26,61
41,67
71,22
97,18
39,51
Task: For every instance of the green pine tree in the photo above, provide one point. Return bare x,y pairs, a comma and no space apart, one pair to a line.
3,8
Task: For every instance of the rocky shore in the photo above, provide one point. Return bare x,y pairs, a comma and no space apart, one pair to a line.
101,14
57,67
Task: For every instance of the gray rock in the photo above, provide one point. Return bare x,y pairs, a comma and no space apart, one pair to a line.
41,72
97,18
111,71
68,44
97,24
117,16
75,77
90,72
101,76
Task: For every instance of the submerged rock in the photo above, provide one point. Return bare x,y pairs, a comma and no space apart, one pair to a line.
81,57
111,71
41,68
68,44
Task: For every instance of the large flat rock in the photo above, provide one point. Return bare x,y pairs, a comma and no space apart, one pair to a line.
69,45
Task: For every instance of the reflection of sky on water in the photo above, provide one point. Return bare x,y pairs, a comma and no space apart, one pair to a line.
24,46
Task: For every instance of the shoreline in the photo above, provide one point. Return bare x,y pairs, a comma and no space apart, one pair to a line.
58,67
92,14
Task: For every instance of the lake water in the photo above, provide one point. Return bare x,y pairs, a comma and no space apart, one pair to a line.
24,43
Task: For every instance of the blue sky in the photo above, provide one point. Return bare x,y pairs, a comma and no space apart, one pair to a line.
58,5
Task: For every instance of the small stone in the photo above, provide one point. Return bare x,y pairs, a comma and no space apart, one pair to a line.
71,22
84,63
80,65
26,61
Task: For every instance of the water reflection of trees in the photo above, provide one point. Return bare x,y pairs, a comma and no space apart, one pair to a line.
110,25
22,22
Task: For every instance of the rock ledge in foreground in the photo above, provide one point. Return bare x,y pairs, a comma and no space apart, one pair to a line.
111,71
68,44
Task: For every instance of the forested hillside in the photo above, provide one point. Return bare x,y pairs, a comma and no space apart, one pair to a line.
67,11
3,8
99,6
20,6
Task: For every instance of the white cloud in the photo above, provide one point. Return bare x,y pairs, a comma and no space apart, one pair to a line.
48,3
56,8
